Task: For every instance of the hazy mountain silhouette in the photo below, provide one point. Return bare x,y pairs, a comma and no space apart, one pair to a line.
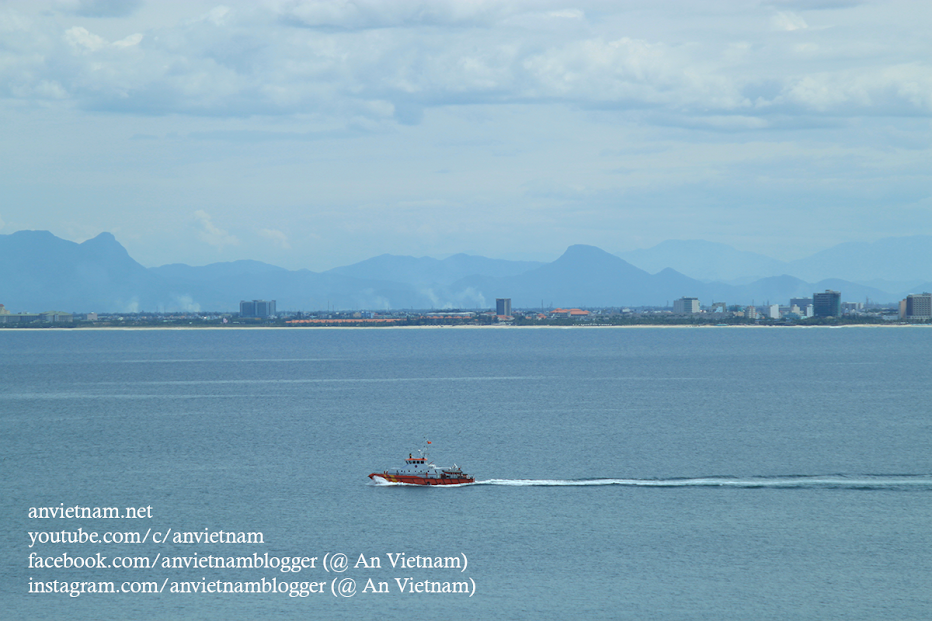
890,264
892,259
42,272
585,276
704,260
423,271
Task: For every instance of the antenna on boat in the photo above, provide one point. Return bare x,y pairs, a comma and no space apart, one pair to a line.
424,450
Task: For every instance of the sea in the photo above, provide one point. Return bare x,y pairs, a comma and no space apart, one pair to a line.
621,473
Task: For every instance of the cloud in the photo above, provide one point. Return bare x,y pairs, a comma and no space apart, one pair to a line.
372,63
370,14
99,8
789,21
896,89
277,237
211,234
815,5
82,40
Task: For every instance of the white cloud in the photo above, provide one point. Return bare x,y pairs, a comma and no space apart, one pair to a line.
277,237
99,8
218,15
897,89
82,40
789,21
211,234
567,14
413,126
133,39
369,14
371,62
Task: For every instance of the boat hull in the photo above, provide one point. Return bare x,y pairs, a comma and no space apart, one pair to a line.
416,480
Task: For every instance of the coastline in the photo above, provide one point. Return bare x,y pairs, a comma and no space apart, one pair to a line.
459,327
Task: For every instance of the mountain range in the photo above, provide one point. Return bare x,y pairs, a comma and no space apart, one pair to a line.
892,264
43,272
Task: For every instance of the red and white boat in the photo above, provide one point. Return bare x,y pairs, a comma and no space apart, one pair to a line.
418,471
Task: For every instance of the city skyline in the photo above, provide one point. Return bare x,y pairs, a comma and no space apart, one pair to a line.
315,135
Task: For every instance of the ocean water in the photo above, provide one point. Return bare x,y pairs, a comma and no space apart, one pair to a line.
695,473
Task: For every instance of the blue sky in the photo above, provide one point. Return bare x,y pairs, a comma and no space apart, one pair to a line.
317,134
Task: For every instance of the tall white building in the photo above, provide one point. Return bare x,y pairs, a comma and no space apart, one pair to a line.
686,306
916,307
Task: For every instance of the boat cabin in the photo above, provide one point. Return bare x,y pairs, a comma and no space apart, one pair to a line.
417,462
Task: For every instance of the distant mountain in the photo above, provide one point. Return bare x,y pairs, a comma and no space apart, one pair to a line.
585,276
893,258
42,272
779,290
923,288
702,260
592,277
426,271
215,271
220,286
886,265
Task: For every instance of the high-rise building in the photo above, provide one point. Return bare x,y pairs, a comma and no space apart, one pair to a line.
503,306
918,307
826,304
256,308
264,308
686,306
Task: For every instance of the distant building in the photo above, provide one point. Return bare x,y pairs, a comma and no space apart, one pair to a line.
686,306
56,317
826,304
503,307
3,311
569,313
19,317
802,303
257,308
772,311
916,307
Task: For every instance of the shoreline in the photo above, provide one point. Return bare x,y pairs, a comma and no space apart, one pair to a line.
449,327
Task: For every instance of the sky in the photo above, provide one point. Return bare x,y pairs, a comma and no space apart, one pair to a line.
313,134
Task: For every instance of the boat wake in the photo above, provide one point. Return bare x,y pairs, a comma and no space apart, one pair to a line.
834,481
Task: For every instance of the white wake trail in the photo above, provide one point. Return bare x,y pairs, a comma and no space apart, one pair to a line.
918,481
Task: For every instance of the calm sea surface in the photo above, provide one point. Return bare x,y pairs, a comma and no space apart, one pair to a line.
711,473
